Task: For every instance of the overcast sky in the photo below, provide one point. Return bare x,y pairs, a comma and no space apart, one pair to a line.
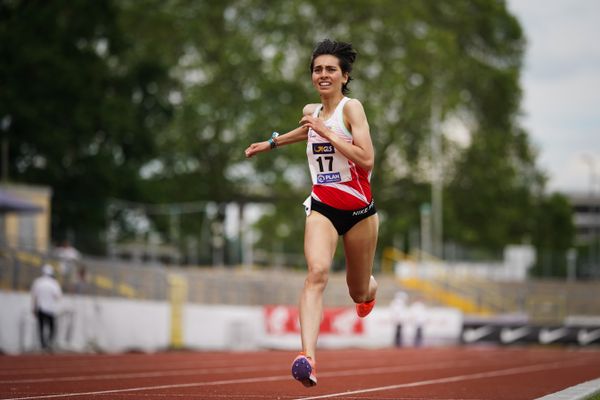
561,83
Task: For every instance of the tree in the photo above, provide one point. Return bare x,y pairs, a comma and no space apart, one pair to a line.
244,72
83,109
553,235
163,97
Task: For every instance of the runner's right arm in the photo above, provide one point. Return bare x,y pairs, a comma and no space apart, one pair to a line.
294,136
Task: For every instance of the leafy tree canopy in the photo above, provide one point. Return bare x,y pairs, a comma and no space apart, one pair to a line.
156,101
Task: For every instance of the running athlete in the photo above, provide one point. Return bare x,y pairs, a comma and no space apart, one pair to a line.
340,158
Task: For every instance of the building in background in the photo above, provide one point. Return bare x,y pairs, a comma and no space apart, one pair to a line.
586,217
25,216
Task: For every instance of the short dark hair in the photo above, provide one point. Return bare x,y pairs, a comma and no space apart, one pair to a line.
342,51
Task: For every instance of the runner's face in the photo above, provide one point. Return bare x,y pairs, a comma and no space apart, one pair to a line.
327,76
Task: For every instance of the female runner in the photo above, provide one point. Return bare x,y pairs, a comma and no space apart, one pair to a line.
340,158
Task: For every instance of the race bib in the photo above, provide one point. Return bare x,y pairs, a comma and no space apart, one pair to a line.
326,165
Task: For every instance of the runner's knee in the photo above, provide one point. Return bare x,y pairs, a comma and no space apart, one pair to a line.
359,296
317,277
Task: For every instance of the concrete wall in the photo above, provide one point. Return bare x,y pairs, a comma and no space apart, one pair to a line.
88,324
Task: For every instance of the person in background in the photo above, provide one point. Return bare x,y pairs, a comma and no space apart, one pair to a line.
418,316
68,256
81,285
398,311
69,263
45,295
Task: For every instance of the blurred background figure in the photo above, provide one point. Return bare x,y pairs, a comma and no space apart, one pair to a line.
69,263
398,311
81,285
46,294
418,318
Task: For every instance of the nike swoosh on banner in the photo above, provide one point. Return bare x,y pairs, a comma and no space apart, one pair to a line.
474,334
586,337
508,335
549,335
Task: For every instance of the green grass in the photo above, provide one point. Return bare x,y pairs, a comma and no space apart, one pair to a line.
594,397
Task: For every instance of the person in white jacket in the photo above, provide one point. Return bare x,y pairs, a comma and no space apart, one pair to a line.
45,295
399,315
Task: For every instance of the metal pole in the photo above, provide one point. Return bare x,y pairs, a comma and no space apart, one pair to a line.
594,250
426,235
5,125
571,265
4,160
436,177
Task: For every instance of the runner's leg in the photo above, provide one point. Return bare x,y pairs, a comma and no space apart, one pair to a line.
360,243
320,242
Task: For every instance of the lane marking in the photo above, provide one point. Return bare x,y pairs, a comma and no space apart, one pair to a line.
174,386
432,365
577,392
141,375
202,362
157,374
123,364
457,378
353,372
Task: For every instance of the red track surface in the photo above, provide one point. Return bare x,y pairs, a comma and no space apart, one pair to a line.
434,373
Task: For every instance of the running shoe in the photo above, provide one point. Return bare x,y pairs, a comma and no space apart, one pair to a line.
304,370
363,309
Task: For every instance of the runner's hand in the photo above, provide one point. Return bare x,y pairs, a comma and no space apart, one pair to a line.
256,148
317,125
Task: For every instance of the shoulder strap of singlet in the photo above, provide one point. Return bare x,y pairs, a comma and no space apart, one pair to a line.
317,110
339,116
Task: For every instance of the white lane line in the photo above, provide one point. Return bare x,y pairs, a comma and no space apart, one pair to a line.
458,378
140,375
577,392
353,372
159,373
118,365
174,386
114,369
204,371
